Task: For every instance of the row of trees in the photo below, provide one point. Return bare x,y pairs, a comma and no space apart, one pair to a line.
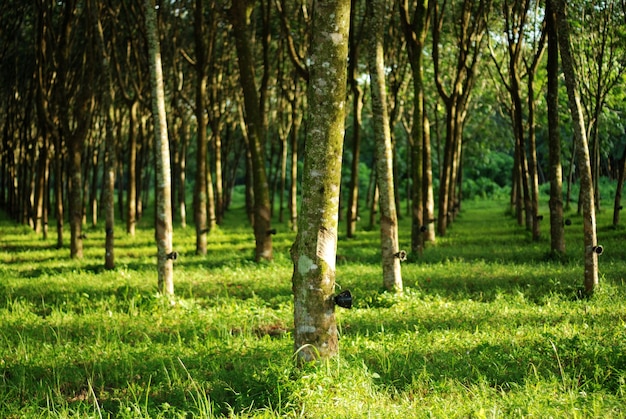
103,99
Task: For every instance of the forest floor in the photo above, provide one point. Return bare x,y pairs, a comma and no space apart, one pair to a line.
489,325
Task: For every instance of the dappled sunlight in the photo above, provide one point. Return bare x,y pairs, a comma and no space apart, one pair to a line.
486,317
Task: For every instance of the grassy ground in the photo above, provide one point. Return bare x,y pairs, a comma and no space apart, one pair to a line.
489,326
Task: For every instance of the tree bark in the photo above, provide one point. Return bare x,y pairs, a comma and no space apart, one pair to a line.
109,153
131,198
240,12
392,276
315,248
471,19
617,206
352,214
584,163
163,233
557,231
296,119
429,197
81,99
200,190
415,36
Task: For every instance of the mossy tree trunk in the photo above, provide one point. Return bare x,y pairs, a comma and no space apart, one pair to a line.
392,276
163,234
584,161
315,248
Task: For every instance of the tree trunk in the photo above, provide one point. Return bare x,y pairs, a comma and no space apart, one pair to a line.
74,136
353,188
392,276
617,206
219,177
58,190
415,36
165,255
182,173
429,197
109,153
131,204
532,163
444,177
200,189
584,163
315,248
296,118
240,12
41,180
557,233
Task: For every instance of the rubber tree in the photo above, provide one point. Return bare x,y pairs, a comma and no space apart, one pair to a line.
108,95
299,24
352,213
415,28
600,61
390,252
75,101
315,247
163,229
580,136
454,85
557,230
240,12
200,186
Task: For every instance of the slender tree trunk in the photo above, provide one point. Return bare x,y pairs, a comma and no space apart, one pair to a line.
131,204
109,153
75,199
296,118
375,196
219,177
444,177
182,173
353,188
617,206
584,163
532,160
58,190
210,210
41,182
429,197
557,233
240,12
75,137
164,234
392,276
283,177
315,248
415,35
352,213
200,190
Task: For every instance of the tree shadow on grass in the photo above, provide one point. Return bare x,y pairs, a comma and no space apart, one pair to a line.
504,366
151,367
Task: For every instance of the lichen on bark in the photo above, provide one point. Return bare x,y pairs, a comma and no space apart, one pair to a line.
315,248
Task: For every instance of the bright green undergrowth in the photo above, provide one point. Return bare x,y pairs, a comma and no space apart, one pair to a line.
489,325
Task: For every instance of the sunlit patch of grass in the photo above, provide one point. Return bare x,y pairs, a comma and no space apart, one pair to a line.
487,326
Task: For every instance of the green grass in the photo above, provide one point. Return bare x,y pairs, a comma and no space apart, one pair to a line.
489,326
